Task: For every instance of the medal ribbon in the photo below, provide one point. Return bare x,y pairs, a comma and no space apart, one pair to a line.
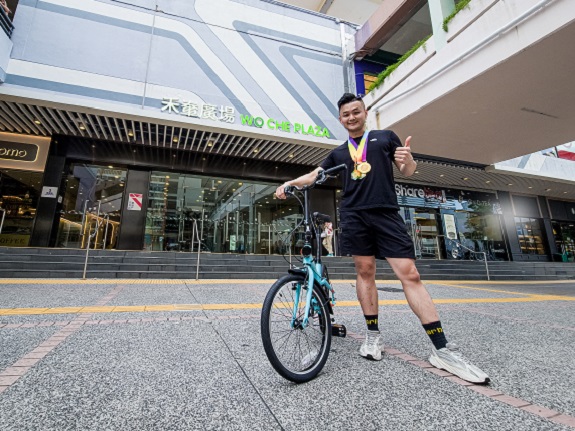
358,152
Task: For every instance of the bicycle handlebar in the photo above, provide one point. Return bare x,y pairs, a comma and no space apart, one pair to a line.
321,177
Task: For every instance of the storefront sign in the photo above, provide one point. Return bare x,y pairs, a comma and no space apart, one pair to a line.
18,151
459,200
285,126
14,240
135,202
207,111
227,114
49,192
417,192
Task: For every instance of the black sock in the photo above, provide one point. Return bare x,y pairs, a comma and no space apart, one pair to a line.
435,332
371,322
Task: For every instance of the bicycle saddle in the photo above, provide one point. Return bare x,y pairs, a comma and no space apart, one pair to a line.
321,218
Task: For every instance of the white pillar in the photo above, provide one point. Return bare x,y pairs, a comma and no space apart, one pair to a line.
439,10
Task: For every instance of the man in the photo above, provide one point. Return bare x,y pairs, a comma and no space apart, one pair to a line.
373,229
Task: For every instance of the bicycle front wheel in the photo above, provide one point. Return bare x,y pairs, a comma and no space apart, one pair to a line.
296,352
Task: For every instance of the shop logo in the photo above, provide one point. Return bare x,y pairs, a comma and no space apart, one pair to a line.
18,151
416,192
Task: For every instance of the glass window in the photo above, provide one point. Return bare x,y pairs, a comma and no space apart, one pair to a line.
19,193
564,235
530,235
230,215
88,186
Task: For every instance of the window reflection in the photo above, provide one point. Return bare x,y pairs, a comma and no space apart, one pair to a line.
92,201
230,215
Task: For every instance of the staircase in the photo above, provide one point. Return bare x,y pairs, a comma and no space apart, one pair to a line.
69,263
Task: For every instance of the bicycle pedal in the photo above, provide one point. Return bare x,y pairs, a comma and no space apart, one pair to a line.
338,330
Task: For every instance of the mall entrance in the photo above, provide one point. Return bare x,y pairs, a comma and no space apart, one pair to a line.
230,216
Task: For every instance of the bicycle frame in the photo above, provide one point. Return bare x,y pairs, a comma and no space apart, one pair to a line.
313,266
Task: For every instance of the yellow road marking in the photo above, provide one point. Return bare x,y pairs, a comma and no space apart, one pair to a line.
121,281
189,307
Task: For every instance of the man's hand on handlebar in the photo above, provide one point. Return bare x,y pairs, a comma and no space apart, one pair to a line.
316,176
280,191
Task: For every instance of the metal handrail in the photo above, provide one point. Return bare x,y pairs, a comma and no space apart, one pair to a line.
90,236
3,217
474,252
196,234
107,221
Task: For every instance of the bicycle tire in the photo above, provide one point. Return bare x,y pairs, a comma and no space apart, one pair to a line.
300,362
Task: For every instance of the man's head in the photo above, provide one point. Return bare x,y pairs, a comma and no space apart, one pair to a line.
352,114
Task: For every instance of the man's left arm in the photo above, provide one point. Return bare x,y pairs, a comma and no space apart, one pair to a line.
403,159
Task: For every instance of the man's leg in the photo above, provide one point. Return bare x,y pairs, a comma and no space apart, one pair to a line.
366,290
416,294
444,355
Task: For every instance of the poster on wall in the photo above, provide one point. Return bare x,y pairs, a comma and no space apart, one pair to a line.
135,202
450,229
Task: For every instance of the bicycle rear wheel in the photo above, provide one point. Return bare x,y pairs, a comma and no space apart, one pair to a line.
296,353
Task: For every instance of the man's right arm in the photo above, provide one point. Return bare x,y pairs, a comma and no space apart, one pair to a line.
302,181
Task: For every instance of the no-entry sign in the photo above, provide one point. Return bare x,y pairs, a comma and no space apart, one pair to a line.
135,202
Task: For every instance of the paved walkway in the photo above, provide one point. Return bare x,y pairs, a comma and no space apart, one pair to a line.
179,355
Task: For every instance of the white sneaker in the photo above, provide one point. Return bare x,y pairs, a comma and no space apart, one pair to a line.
372,347
450,359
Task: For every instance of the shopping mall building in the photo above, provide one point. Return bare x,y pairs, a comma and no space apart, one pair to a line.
148,118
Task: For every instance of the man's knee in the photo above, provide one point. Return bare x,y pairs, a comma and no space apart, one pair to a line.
365,268
411,275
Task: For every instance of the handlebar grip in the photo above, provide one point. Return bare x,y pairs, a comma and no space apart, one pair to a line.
288,190
335,169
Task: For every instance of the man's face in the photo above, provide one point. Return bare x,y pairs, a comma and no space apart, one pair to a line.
352,116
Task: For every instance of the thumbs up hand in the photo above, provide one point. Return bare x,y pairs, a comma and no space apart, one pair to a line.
403,154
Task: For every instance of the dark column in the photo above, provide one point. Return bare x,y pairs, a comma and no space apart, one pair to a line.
47,217
508,219
133,222
547,227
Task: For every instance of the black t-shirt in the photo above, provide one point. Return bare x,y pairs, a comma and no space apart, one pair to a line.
377,189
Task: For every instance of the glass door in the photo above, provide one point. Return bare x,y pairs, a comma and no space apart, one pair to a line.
422,225
86,186
19,193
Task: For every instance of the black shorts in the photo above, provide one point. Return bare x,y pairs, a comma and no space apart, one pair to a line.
379,232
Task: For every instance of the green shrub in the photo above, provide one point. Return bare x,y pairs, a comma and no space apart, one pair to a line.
458,8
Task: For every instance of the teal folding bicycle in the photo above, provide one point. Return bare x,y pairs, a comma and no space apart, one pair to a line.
296,322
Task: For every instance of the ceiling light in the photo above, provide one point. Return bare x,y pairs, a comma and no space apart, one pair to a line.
82,127
529,187
175,139
291,156
416,172
564,192
256,150
547,190
110,166
465,179
130,133
442,175
219,181
510,184
210,143
487,182
37,122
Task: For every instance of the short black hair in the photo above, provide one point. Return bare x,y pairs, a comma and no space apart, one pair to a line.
348,98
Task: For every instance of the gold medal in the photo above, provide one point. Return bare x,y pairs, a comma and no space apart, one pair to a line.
364,167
